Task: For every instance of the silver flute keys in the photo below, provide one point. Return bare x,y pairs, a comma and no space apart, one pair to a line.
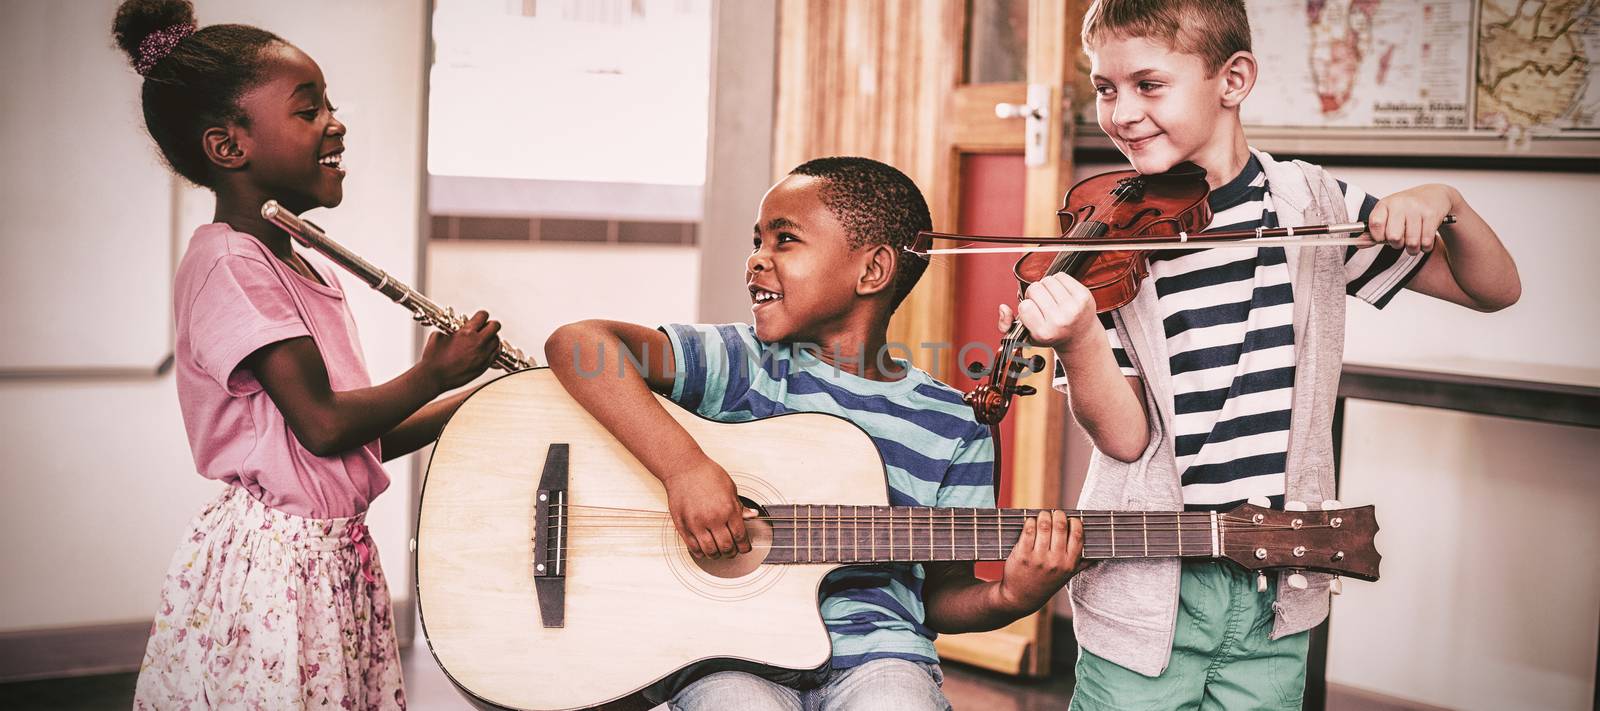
423,310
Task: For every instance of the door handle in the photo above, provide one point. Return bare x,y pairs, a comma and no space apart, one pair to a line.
1036,117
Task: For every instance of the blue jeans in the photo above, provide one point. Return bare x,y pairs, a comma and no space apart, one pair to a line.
896,684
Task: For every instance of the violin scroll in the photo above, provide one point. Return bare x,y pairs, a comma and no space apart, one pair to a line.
991,400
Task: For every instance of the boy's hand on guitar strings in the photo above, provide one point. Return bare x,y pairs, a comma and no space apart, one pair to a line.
706,509
1043,560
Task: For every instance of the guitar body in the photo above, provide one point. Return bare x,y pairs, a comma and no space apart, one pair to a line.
637,606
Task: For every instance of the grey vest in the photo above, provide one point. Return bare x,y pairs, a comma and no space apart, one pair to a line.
1125,610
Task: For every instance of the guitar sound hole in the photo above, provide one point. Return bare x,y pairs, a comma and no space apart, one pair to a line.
744,563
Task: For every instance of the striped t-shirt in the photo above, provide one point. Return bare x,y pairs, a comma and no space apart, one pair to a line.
1228,315
933,450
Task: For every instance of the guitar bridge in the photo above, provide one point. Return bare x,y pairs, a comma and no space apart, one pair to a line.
550,538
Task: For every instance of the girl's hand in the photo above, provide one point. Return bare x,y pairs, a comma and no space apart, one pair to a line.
706,509
1057,310
1044,559
454,359
1410,219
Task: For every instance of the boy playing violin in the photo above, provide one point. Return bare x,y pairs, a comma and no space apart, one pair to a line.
828,265
1219,382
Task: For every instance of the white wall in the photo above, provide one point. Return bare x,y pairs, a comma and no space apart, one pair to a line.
120,317
739,159
1490,596
1491,589
96,475
1546,220
533,288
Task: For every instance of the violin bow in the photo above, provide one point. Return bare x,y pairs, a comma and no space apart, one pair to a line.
1257,237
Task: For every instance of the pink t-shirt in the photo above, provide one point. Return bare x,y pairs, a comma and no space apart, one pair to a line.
232,297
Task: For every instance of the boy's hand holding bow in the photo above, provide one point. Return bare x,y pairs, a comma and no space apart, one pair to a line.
1410,219
1472,267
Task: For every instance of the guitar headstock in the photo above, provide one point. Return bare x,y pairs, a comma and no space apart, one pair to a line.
1337,541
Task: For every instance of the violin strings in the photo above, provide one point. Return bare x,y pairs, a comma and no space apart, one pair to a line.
1062,262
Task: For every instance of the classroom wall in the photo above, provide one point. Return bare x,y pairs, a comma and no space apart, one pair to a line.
739,151
1490,597
533,288
96,480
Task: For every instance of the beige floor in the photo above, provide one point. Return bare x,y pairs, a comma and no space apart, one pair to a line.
968,689
428,689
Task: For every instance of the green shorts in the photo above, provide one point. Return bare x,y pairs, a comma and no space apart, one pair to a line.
1222,657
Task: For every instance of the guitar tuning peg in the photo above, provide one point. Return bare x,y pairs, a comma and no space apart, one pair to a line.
1260,501
1297,581
1026,390
1261,582
1336,586
1331,504
1294,506
1036,363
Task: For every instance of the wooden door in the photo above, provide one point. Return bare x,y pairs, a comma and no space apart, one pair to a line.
916,84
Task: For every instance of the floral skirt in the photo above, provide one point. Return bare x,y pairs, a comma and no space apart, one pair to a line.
266,610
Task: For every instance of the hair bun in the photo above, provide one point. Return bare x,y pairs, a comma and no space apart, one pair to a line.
138,19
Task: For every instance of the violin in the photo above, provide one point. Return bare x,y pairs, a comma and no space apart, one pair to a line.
1109,210
1109,224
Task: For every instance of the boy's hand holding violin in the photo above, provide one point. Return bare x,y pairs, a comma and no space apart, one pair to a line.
1059,313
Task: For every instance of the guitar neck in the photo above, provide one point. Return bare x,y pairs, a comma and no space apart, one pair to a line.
826,533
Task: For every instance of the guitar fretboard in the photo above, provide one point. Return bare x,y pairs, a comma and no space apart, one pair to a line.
826,533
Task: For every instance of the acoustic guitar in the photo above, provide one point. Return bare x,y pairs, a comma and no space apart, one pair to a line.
550,577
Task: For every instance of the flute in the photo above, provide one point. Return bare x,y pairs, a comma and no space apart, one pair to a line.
423,310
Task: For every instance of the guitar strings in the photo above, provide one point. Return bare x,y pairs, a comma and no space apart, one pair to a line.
940,522
823,532
577,522
848,554
980,513
920,518
840,524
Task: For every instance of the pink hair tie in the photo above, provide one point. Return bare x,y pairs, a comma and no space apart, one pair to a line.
158,45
